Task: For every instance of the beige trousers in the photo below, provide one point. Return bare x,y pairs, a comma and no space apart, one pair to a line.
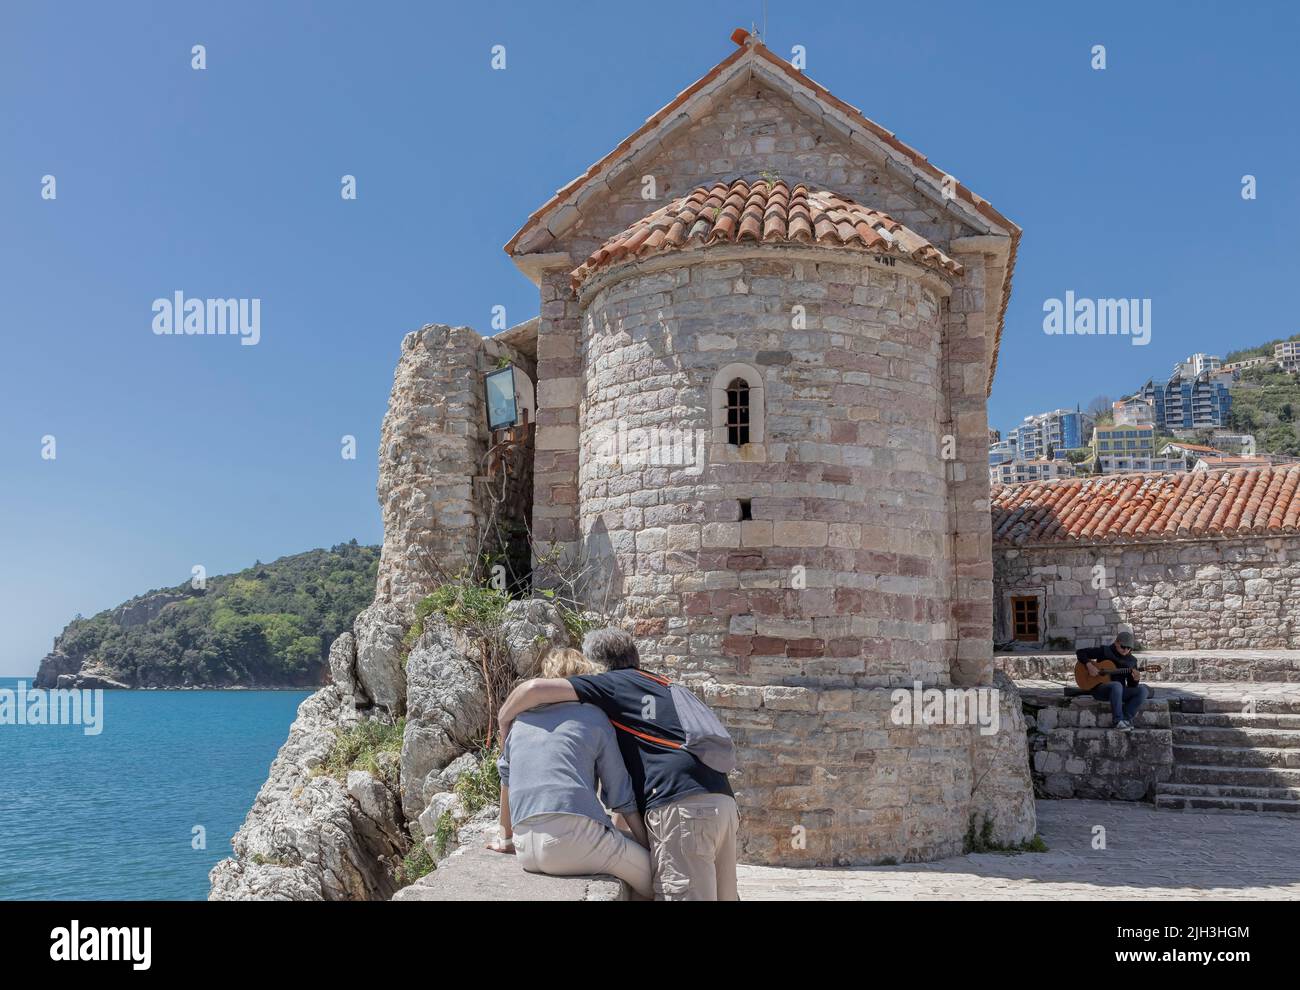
574,845
693,847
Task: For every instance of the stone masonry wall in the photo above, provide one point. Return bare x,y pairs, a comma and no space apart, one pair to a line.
841,574
1076,752
796,622
1220,594
432,446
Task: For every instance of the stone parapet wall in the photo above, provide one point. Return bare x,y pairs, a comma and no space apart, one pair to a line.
1075,751
1236,594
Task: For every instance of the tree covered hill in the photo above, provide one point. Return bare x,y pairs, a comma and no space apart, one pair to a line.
270,625
1266,403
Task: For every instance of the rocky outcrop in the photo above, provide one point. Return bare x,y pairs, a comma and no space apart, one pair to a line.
447,712
308,836
144,609
380,631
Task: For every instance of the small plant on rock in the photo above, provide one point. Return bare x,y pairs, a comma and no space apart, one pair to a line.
361,747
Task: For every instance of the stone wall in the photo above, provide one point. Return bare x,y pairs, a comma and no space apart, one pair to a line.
841,575
839,585
1209,595
432,449
1075,751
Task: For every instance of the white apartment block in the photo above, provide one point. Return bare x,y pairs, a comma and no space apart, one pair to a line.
1198,364
1016,472
1121,449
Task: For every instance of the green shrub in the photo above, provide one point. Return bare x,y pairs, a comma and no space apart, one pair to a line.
980,840
481,786
443,832
417,863
359,748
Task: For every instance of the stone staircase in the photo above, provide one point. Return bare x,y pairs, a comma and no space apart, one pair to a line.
1229,761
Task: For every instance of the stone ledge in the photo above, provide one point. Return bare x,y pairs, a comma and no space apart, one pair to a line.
1180,666
473,873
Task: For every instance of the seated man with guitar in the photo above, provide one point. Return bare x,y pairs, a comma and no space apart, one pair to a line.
1110,673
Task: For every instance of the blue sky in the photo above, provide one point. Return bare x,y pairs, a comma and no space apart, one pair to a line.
225,182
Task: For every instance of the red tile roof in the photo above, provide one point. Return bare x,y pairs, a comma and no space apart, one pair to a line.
767,212
1148,507
746,45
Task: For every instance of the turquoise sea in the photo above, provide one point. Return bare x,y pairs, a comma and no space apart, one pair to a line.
113,816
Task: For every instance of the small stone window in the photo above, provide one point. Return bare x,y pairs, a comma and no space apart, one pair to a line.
737,400
738,412
1024,618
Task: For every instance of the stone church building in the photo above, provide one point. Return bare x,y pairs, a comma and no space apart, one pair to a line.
756,403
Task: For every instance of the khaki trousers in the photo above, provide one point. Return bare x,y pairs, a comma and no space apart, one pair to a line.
574,846
693,847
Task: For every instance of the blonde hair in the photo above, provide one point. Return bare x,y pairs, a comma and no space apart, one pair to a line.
566,662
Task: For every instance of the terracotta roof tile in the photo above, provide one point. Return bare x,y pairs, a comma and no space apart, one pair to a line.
764,211
1126,508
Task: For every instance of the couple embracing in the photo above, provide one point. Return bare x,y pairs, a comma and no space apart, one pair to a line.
607,768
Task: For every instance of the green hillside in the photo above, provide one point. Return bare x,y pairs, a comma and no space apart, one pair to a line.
1265,402
270,625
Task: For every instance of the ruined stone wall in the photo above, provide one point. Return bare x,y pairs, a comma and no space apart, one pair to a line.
1216,594
431,452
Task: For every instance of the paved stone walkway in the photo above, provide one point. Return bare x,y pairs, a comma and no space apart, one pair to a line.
1150,854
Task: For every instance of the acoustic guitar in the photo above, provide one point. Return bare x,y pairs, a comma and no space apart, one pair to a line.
1087,682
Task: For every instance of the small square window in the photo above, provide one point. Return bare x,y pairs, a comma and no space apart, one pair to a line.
746,510
1024,618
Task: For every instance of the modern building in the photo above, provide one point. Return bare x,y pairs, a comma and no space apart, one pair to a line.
1056,431
1123,449
1016,472
1234,443
1188,403
1287,355
1189,452
1240,366
1133,412
1198,364
1001,452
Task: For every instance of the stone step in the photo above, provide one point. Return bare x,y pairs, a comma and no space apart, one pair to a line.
1266,704
1236,736
1228,791
1181,802
1227,719
1236,776
1237,756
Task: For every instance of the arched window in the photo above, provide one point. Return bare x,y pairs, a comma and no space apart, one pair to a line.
738,412
737,400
